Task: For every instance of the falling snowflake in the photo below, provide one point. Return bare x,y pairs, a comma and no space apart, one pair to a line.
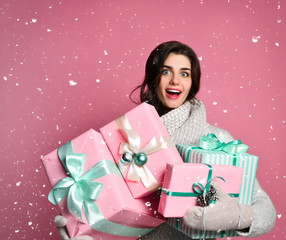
255,39
148,204
72,83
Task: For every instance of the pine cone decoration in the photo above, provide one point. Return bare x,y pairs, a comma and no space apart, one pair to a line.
210,197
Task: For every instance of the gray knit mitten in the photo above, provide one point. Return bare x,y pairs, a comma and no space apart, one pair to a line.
60,223
224,214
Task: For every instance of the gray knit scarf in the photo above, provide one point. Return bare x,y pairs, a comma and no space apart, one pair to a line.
186,123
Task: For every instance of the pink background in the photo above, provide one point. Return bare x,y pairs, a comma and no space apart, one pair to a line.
67,66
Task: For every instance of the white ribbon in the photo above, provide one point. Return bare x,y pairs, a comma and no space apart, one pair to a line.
135,172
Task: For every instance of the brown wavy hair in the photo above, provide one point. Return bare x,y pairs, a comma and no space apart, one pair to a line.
153,72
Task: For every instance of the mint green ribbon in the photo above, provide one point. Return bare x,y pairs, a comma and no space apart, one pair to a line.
82,192
211,142
197,192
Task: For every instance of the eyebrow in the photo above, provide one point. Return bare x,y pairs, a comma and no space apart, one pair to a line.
169,67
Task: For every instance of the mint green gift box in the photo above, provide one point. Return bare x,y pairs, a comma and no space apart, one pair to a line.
211,151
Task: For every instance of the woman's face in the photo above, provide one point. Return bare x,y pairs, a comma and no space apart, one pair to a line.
175,82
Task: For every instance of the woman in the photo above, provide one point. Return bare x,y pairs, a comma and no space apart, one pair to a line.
172,79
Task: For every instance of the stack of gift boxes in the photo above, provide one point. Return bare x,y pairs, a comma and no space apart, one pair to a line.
107,184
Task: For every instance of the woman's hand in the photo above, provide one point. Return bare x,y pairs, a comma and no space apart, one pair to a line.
224,214
60,223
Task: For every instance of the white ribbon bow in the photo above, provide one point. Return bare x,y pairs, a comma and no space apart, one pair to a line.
135,172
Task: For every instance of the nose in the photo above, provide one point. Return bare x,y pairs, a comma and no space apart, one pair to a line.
175,79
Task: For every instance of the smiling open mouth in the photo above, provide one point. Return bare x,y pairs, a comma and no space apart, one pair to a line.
173,92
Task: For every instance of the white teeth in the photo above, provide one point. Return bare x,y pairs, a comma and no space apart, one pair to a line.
173,91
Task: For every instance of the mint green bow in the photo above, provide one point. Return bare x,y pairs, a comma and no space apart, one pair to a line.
204,189
211,142
82,192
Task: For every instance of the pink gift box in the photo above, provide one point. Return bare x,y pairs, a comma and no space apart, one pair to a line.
179,179
114,201
147,125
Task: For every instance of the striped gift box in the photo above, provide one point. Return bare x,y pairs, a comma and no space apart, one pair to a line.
248,162
198,234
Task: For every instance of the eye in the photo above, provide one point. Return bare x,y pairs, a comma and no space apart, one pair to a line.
165,72
184,74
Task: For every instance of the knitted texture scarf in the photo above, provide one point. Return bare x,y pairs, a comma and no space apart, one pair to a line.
186,123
